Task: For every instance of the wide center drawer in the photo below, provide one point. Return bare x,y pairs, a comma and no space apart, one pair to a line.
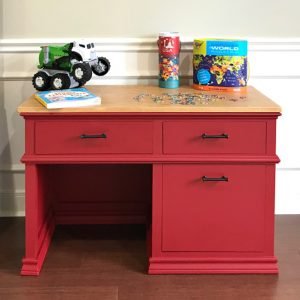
214,136
88,137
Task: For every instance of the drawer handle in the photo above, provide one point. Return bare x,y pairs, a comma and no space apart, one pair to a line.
93,136
223,178
216,136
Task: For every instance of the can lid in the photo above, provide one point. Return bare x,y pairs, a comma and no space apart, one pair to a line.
169,34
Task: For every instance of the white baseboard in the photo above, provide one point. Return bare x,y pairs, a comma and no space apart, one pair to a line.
287,191
12,203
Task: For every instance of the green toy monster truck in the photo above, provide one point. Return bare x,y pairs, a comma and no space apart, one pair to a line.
68,66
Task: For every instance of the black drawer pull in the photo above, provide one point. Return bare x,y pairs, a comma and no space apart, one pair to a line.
93,136
216,136
223,178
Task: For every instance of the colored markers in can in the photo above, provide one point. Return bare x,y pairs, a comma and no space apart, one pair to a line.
169,48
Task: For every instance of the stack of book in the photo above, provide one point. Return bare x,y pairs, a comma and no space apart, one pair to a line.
78,97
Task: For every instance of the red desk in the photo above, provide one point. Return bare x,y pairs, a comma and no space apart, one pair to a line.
201,176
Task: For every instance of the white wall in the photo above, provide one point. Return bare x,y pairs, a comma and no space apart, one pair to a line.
274,55
144,18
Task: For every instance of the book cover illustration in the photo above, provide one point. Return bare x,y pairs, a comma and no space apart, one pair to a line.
78,97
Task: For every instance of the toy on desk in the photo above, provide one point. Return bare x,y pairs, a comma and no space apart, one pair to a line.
68,66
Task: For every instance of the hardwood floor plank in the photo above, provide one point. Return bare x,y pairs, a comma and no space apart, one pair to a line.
65,293
110,262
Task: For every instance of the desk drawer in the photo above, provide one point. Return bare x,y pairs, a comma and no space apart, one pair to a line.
214,208
214,136
88,137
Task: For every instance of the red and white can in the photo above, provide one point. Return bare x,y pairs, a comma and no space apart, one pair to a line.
169,49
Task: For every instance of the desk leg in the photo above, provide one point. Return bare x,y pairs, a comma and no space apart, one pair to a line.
155,236
39,223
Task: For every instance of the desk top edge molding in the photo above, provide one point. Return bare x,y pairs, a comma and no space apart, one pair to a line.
120,99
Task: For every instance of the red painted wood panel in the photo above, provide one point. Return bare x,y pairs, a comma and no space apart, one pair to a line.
64,137
246,137
100,190
213,216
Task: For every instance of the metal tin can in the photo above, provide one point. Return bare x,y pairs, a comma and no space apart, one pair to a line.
169,48
220,64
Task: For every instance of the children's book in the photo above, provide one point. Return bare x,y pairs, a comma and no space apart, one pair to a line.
77,97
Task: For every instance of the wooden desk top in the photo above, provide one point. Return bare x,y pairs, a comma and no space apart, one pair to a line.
121,99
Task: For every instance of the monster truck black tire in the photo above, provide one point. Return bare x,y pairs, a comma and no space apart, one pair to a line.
81,72
60,81
102,67
90,72
41,81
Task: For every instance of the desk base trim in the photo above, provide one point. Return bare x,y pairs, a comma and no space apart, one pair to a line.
33,266
266,265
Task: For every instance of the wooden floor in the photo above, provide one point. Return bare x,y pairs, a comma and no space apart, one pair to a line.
109,262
